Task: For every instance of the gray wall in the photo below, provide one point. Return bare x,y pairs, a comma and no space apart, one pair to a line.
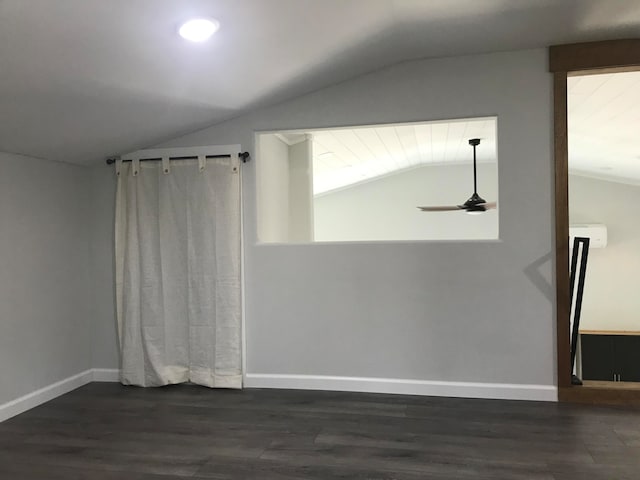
450,311
611,300
44,274
385,208
101,244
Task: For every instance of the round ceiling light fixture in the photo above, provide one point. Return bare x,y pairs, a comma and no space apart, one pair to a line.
198,29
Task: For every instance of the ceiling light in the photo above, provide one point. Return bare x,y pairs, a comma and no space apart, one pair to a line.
198,29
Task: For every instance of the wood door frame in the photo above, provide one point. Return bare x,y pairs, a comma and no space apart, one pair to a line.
564,61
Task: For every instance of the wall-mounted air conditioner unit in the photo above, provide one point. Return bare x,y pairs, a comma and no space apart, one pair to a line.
596,233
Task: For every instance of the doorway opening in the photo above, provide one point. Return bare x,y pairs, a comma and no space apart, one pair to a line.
604,189
592,181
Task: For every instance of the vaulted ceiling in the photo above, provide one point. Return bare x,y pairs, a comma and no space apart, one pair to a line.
347,156
84,79
604,125
343,157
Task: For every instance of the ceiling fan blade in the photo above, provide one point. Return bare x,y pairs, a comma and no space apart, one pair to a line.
452,208
444,208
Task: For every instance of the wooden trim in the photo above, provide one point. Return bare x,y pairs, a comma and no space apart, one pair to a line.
563,310
600,394
594,55
601,71
609,332
614,385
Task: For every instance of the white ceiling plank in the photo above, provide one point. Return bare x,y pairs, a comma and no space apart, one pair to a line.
339,154
390,138
407,136
423,137
370,137
345,156
456,134
362,153
604,120
439,135
613,87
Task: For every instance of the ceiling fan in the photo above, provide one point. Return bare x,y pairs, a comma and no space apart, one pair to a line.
476,204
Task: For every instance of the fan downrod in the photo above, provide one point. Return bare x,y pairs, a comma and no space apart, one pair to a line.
475,202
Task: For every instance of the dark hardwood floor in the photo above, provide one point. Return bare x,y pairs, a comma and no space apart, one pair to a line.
107,431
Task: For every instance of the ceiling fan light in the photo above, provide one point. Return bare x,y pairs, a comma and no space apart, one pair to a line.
475,212
475,209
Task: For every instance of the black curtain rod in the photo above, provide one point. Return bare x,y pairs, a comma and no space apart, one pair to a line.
244,156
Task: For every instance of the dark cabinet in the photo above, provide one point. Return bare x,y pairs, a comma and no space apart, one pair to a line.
611,357
597,357
627,357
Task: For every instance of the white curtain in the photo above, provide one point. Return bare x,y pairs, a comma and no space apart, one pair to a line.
178,272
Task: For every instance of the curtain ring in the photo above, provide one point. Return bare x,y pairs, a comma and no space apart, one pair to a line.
235,162
166,169
135,166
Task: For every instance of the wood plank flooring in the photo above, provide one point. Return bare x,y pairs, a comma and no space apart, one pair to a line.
108,432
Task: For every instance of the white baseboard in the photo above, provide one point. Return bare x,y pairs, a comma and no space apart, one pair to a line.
43,395
33,399
505,391
106,375
307,382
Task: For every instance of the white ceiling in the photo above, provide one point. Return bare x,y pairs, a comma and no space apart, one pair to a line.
84,79
343,157
604,126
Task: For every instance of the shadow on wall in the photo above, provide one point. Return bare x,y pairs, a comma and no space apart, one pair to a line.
534,274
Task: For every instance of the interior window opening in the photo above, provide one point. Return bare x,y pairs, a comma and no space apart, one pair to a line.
392,182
